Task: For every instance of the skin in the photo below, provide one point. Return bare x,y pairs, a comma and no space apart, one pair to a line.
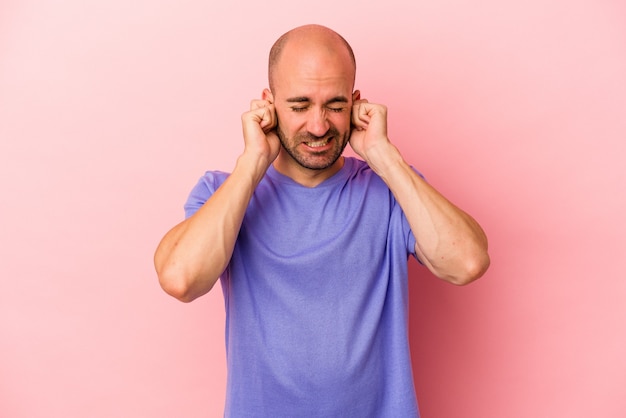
312,97
301,126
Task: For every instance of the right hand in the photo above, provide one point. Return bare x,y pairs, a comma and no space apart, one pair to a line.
259,130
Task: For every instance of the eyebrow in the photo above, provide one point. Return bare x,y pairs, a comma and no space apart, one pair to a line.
302,99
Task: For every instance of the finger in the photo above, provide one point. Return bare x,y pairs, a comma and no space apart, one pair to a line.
262,113
268,118
360,114
258,104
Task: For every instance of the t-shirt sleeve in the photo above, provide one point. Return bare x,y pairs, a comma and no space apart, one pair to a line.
203,190
410,235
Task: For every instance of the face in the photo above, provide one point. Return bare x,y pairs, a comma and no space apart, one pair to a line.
314,135
313,100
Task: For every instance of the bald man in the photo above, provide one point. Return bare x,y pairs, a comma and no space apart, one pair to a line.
311,247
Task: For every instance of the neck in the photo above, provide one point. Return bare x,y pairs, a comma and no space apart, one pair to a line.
307,177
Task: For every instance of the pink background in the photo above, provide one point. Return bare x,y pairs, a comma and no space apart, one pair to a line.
111,110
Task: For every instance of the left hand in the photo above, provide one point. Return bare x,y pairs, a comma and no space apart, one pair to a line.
369,129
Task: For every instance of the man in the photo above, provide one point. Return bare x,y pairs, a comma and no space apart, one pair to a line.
311,247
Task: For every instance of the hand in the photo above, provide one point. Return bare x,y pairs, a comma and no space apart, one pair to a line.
259,130
369,130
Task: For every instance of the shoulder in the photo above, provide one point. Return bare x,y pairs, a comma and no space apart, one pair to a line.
360,169
361,175
213,179
204,188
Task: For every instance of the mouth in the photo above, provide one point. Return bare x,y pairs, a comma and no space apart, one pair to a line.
318,144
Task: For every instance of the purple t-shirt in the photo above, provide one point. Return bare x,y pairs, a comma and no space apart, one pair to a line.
316,299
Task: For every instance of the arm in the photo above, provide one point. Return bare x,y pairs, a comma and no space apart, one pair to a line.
192,255
448,241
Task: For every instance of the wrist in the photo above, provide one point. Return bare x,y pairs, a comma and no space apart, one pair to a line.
383,158
253,166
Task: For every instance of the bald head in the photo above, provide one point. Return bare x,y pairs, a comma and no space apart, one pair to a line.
305,41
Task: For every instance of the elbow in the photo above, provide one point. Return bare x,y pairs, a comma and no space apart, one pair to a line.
472,269
183,280
178,285
177,291
175,287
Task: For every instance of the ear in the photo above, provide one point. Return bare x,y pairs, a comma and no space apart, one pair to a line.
356,95
267,95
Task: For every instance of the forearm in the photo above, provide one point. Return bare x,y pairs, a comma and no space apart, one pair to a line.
448,241
193,255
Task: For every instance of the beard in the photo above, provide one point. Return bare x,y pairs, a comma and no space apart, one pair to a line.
311,159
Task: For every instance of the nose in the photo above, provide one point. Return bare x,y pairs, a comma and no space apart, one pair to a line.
317,124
